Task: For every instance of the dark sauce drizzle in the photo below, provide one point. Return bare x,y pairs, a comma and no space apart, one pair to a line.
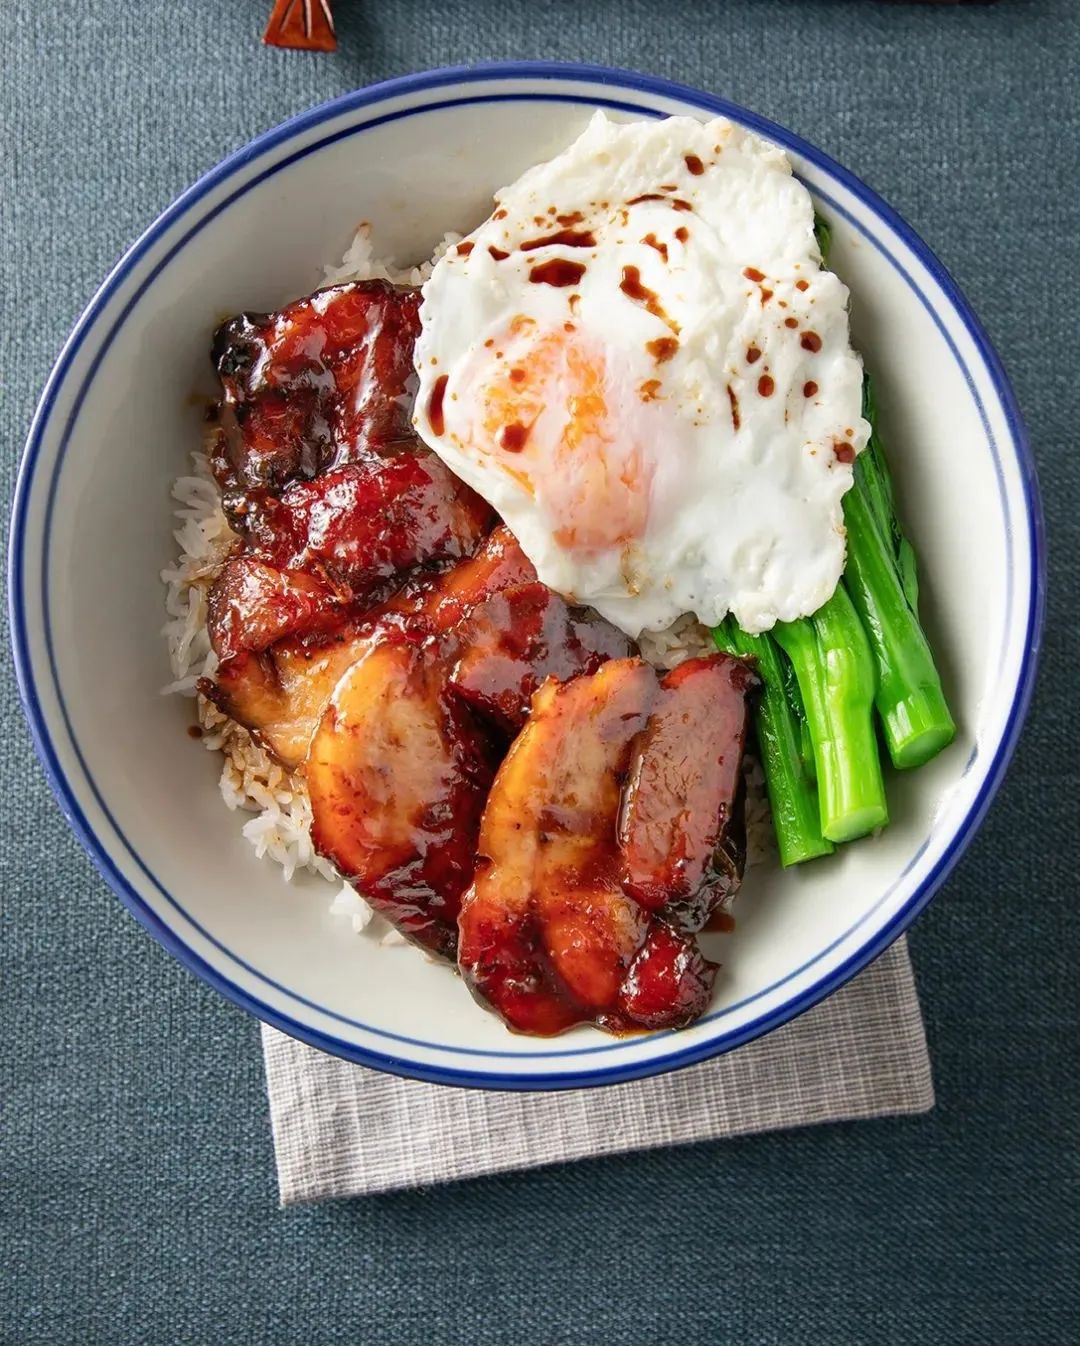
436,419
558,271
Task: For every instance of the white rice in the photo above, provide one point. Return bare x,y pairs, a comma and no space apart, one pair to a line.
279,828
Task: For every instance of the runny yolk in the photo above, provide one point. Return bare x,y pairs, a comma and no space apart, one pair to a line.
578,459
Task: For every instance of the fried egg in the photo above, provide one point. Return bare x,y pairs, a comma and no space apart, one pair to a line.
638,360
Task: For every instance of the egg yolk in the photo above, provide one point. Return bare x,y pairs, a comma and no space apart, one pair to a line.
552,422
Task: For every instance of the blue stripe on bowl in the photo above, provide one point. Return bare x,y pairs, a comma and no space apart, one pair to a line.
44,743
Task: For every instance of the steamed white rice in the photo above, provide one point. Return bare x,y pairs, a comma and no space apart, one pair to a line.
279,826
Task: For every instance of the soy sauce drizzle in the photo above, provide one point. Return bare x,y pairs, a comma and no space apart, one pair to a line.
662,349
513,437
632,287
566,238
558,271
436,419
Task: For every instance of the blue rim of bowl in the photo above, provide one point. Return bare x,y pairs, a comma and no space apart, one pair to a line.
609,79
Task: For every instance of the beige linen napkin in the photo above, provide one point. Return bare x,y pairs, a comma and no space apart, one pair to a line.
343,1130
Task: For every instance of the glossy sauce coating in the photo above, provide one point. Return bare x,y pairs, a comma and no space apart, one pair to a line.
549,936
546,933
398,773
325,381
320,470
365,522
670,981
516,638
281,693
252,605
685,772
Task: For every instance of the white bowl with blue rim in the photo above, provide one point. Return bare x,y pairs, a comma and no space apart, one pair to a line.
92,529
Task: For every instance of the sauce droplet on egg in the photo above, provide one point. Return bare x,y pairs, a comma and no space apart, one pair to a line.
810,342
651,241
436,419
694,164
809,388
648,196
765,385
752,273
513,437
632,287
844,452
735,418
682,233
753,355
662,349
559,272
498,253
566,238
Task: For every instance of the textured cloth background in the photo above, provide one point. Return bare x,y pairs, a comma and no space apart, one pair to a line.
341,1130
137,1195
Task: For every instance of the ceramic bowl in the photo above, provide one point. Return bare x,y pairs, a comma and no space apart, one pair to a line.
92,529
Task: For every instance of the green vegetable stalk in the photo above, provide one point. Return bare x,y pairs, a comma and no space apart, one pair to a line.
823,234
882,580
783,740
834,667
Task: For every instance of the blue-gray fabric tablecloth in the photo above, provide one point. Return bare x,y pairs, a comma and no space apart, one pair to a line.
137,1195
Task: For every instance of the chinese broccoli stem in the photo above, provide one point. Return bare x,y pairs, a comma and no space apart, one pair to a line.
834,667
875,481
780,724
881,578
823,234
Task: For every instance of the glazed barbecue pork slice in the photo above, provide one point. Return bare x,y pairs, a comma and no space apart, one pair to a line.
497,564
365,523
280,695
520,636
325,381
279,692
681,794
547,935
398,773
253,605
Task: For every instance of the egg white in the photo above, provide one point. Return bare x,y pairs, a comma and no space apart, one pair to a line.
686,410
